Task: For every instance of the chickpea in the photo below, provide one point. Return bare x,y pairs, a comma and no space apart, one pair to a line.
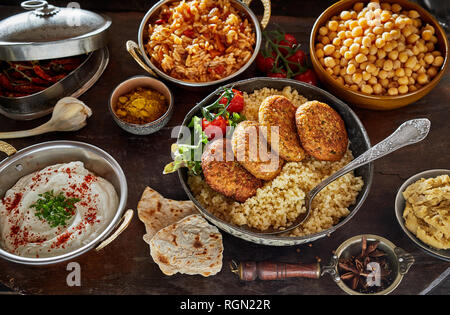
343,49
432,72
438,61
325,40
380,42
393,55
354,48
372,80
429,58
412,88
328,49
422,78
377,88
357,77
345,15
371,68
323,30
383,74
384,83
365,88
332,26
366,75
400,72
411,62
351,69
360,58
403,89
388,65
348,42
363,22
354,87
412,38
403,57
403,80
393,91
348,55
329,62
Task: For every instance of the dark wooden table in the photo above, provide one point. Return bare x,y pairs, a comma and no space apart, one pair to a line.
125,266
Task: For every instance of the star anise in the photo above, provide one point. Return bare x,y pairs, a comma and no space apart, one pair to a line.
355,270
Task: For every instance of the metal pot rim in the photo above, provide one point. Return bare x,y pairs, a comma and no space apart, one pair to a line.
144,25
36,148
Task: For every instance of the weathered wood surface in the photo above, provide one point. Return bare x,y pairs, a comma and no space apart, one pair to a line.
125,266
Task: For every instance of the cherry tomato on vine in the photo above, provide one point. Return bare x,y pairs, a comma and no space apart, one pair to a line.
265,64
309,76
299,58
236,104
289,41
212,127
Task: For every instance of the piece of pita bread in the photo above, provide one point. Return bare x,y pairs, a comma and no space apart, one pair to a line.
157,212
189,246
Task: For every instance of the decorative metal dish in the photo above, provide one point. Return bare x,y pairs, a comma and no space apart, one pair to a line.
37,157
443,254
359,143
47,32
137,50
75,84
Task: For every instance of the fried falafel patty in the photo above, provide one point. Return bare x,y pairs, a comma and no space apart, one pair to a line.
278,111
322,131
225,175
253,152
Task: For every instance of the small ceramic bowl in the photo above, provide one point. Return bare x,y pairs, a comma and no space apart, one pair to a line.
400,207
147,82
377,102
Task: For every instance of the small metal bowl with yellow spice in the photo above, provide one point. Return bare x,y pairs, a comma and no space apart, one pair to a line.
141,105
379,55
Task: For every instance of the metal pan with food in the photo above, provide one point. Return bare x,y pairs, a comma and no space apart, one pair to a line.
254,198
38,67
198,43
60,199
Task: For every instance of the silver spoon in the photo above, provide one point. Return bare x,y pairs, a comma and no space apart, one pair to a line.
408,133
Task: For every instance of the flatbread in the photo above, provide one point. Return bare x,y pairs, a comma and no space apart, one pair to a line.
157,212
190,246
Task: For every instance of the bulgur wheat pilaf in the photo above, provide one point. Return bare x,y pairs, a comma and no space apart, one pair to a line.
281,200
200,40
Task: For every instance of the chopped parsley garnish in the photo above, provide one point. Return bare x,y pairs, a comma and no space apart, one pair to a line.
55,209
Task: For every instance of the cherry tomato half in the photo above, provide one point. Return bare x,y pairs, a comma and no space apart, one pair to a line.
236,104
212,127
308,77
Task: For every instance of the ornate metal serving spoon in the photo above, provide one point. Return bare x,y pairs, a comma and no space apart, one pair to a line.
408,133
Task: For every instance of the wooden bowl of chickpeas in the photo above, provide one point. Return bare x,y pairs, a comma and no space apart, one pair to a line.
378,55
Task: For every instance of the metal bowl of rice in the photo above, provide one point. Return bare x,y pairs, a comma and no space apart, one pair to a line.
198,43
336,206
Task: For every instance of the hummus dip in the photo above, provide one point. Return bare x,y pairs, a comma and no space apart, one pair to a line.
23,233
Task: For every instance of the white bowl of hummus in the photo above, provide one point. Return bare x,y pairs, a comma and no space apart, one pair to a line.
58,200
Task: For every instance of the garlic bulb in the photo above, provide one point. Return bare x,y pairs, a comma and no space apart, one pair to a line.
69,114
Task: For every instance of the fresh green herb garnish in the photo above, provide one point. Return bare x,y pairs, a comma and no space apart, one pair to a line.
188,154
55,209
